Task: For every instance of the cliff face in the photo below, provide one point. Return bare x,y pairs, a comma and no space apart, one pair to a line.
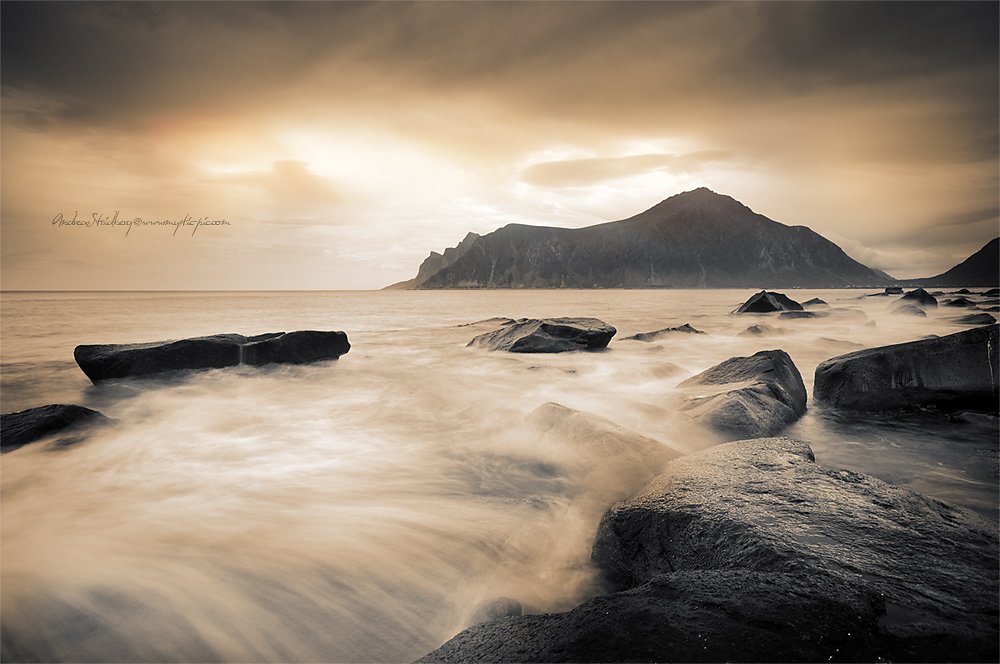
980,269
435,263
695,239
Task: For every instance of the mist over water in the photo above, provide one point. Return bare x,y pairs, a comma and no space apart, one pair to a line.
359,510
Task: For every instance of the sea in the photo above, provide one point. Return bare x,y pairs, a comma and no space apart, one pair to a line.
359,510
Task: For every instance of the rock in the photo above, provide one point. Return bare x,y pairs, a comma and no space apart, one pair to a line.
765,506
760,330
27,426
767,301
815,302
893,290
494,609
547,335
765,394
626,456
296,348
801,314
908,309
496,320
844,313
976,319
699,616
656,334
993,292
919,297
960,302
963,291
993,308
104,361
956,371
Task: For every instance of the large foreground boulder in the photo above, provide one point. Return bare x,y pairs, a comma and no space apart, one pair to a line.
105,361
766,302
27,426
959,371
750,551
748,397
547,335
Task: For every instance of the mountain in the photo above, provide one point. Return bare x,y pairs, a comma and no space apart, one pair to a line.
435,263
697,239
980,269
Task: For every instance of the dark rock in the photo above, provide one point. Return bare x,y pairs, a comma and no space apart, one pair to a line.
960,302
691,616
104,361
919,297
802,314
976,319
766,302
765,506
656,334
27,426
815,302
993,292
494,609
296,348
963,291
759,330
994,308
893,290
957,371
908,309
770,395
547,335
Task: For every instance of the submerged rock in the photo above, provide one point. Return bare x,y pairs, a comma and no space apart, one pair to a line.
957,371
802,314
27,426
496,320
547,335
104,361
765,395
815,302
656,334
960,302
993,292
494,609
976,319
768,301
908,309
766,506
920,297
760,330
893,290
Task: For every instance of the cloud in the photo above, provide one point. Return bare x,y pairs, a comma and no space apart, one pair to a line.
581,172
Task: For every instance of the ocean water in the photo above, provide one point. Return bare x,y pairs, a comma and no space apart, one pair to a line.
359,510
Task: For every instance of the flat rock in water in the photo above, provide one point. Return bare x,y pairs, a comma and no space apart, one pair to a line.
496,320
547,335
815,302
754,396
766,302
802,314
667,331
919,297
765,506
893,290
106,361
993,292
976,319
956,371
27,426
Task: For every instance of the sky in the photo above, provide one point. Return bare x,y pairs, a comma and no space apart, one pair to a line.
334,145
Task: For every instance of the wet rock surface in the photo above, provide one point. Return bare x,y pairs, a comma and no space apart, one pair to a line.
547,335
27,426
956,371
976,319
919,297
107,361
667,331
753,396
766,302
